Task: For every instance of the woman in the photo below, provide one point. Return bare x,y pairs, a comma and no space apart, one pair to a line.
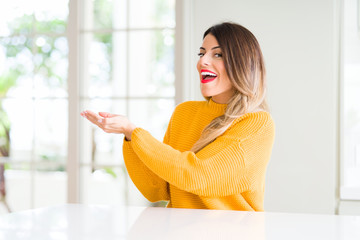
215,152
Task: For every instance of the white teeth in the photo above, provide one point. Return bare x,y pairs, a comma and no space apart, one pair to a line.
208,74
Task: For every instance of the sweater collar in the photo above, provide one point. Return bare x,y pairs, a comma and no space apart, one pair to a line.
216,107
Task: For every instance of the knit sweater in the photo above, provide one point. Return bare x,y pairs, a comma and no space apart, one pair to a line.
228,173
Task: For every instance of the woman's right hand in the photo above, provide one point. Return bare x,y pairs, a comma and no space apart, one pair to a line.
110,123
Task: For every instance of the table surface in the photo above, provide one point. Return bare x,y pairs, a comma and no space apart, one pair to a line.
76,221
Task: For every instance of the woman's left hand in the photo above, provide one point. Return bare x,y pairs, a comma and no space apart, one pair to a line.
110,123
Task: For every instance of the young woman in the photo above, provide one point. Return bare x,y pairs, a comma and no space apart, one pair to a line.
215,152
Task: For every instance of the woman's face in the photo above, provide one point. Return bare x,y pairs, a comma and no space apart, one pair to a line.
214,80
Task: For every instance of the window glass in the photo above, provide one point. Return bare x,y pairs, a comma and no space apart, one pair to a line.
16,18
105,71
16,66
152,115
107,14
103,185
50,16
33,102
151,13
18,179
151,65
50,59
19,116
51,123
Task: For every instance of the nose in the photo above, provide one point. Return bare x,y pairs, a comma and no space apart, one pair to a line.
204,60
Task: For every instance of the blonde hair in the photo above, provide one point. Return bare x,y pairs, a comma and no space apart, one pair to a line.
245,67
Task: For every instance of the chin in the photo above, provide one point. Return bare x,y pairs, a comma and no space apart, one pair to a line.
206,92
205,95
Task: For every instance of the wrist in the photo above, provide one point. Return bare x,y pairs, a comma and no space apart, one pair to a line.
129,132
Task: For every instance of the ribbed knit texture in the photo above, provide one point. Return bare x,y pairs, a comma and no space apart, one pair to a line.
229,173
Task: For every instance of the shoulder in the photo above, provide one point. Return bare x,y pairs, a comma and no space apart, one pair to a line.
260,118
254,123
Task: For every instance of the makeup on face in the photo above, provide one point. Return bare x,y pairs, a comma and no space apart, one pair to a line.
215,82
207,76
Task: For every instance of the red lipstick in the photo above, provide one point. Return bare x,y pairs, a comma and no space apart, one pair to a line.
207,76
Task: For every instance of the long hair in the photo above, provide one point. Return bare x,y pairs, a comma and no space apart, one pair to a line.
245,67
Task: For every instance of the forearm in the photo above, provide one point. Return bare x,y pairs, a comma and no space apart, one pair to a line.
149,184
221,174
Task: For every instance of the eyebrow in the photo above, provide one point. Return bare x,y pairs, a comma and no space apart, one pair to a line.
211,49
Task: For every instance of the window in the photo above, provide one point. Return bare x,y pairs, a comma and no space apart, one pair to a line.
33,103
350,186
127,67
124,64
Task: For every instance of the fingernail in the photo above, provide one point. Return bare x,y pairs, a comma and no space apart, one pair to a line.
100,120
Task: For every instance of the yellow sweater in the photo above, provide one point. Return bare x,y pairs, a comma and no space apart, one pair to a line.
229,173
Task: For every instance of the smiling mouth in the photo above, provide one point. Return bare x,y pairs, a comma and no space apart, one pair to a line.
207,76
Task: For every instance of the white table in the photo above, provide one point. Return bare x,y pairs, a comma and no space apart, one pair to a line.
117,222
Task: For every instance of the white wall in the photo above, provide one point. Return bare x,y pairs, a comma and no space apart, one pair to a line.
299,40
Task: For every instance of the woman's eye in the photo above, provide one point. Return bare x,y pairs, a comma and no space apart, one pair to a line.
200,54
218,55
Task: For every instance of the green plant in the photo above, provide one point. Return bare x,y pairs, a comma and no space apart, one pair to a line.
6,82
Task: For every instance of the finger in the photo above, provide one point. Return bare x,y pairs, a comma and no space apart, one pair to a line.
89,112
107,115
83,113
93,117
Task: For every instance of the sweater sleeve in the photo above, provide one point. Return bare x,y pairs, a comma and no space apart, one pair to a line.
149,184
224,167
